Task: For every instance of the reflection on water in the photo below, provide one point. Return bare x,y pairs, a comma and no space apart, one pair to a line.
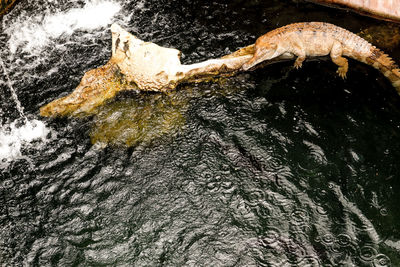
278,167
138,120
143,118
385,36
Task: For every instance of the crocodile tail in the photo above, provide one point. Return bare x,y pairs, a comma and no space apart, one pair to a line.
385,64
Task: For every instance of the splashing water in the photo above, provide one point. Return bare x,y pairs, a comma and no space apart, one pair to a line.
19,132
32,34
13,93
37,31
14,136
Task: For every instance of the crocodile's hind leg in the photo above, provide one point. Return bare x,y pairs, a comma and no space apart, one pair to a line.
336,56
300,52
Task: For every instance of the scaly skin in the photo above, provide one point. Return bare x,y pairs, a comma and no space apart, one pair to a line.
321,39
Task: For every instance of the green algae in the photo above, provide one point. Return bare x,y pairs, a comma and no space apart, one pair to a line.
139,120
146,117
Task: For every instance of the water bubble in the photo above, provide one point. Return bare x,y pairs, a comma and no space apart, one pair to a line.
227,185
331,185
321,210
305,229
7,184
225,168
270,237
310,261
327,239
212,185
319,196
23,188
255,197
296,253
367,253
256,194
299,216
262,211
383,212
381,260
343,240
339,258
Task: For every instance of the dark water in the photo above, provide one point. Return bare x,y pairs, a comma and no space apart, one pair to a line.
278,167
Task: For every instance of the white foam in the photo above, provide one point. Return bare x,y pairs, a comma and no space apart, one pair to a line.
13,137
37,31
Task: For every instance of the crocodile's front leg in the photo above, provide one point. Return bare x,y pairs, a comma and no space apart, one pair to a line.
336,56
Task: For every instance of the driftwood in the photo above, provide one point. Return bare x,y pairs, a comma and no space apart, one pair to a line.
139,65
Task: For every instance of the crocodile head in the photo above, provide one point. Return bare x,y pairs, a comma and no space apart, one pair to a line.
263,52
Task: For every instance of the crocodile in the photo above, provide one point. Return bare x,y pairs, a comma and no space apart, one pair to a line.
321,39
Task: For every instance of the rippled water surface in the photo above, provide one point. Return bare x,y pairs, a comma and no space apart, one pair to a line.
278,167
